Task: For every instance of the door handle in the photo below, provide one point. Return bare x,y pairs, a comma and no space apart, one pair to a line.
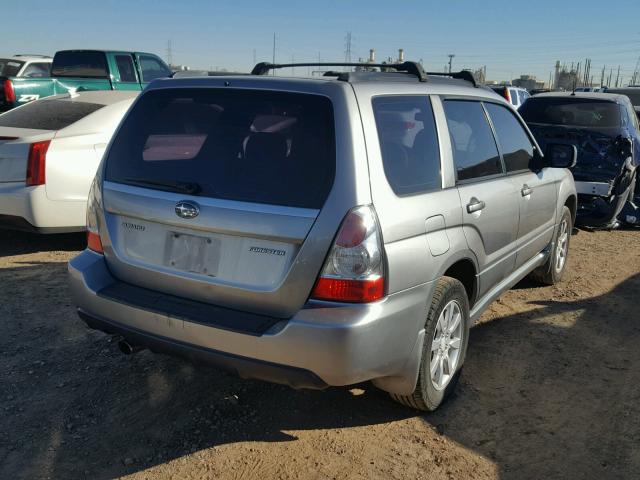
526,190
475,205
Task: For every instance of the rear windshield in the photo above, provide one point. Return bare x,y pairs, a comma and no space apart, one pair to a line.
9,68
47,114
577,112
86,64
255,146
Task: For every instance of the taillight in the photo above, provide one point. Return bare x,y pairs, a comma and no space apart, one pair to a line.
507,95
94,202
36,164
9,92
94,242
354,269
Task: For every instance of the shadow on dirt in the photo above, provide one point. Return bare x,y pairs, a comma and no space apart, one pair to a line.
21,243
553,393
536,397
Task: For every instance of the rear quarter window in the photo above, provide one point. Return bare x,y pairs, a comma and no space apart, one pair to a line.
254,146
47,114
408,143
577,112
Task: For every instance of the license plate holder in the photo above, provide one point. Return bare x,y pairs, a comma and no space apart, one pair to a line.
192,253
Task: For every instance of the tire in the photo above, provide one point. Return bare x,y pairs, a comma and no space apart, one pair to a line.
427,395
552,271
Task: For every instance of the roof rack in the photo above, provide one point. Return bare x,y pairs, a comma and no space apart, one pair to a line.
412,68
31,55
461,75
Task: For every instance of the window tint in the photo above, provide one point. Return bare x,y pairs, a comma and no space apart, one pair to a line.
408,142
474,148
47,114
37,70
125,68
152,68
9,68
255,146
516,147
80,63
574,111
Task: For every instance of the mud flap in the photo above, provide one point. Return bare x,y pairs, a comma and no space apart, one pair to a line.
405,382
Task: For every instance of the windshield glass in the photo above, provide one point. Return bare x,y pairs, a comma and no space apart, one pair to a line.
47,114
573,111
9,68
255,146
87,64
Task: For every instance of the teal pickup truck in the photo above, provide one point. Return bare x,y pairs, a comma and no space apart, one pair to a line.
81,70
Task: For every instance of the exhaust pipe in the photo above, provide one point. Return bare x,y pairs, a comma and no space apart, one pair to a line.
128,349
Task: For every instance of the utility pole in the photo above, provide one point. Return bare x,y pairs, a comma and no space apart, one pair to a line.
609,81
451,55
169,53
347,48
602,77
618,76
274,52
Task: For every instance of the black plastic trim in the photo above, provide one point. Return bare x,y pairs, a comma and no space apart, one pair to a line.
242,366
189,310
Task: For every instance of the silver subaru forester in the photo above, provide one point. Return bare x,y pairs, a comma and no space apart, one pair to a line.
320,231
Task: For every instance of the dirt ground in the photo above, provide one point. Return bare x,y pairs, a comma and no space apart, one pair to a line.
551,389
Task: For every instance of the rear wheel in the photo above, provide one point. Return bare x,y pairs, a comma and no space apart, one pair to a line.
444,349
553,269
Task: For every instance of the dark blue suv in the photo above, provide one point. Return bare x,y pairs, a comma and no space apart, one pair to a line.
605,130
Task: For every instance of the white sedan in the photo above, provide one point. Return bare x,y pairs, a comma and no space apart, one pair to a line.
49,153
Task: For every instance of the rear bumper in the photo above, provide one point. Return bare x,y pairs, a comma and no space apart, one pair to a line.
324,344
29,209
244,367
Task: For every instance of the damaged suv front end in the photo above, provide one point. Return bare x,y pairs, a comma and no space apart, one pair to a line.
604,129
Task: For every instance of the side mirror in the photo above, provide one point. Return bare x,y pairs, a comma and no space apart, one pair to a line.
561,155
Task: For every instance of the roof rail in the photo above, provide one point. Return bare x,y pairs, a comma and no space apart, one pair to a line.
461,75
412,68
31,55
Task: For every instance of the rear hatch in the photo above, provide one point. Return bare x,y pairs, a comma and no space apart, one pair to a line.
210,193
592,125
37,121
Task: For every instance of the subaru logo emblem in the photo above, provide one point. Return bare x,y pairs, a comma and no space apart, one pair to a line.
186,209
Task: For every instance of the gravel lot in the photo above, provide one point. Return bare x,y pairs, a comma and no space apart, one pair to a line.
551,390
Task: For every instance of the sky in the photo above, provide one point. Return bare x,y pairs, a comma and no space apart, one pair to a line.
510,38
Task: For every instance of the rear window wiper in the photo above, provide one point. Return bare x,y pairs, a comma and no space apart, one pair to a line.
191,188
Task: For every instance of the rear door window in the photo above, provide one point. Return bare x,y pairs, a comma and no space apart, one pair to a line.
48,114
126,70
475,153
152,68
408,143
517,149
80,63
573,111
255,146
